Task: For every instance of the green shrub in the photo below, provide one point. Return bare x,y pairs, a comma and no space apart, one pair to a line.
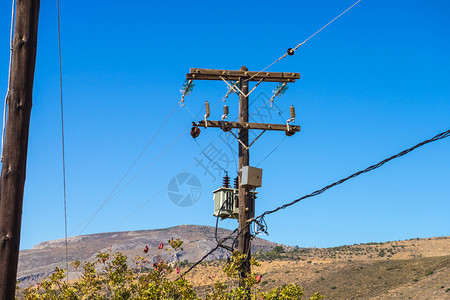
109,277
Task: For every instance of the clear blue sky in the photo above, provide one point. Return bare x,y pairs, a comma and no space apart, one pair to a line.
373,83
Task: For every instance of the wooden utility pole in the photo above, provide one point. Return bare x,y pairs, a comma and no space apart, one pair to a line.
244,160
19,101
246,205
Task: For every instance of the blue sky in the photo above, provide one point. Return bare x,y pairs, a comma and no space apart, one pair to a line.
373,83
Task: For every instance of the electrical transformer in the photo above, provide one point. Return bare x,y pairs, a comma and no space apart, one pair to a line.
226,203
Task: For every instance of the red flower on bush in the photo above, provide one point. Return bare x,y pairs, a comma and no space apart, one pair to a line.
145,249
177,270
161,246
258,278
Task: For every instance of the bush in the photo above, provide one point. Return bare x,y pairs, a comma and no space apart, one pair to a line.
110,278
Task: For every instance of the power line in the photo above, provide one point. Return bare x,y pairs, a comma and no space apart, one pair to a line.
232,153
209,158
163,188
440,136
108,198
219,244
276,147
62,143
291,51
90,218
296,47
111,196
260,219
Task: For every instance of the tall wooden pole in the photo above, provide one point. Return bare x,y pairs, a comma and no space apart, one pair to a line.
244,159
246,205
16,141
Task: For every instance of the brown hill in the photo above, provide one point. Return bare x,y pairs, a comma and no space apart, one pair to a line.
412,269
39,262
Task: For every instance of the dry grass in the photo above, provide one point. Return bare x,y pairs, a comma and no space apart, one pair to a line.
412,269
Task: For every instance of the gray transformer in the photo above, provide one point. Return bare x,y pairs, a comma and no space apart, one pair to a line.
226,203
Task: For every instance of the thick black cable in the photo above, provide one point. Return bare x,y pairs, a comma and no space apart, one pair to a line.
220,244
217,226
223,240
440,136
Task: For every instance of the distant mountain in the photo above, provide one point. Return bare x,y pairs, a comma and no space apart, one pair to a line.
39,261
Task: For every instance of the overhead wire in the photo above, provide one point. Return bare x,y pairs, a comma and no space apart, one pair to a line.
221,241
217,227
291,51
159,192
90,218
110,195
132,179
440,136
209,158
280,114
270,153
140,207
260,221
232,153
62,142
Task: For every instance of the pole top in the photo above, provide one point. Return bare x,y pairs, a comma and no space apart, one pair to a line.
243,68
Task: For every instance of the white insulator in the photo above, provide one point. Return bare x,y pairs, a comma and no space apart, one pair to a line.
292,109
207,109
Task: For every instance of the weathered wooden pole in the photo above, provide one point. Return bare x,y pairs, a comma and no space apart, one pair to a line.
244,196
19,101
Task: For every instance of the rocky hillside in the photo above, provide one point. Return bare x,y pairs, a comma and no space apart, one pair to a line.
38,262
412,269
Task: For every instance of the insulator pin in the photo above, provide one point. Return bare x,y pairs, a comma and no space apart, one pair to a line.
207,109
225,110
